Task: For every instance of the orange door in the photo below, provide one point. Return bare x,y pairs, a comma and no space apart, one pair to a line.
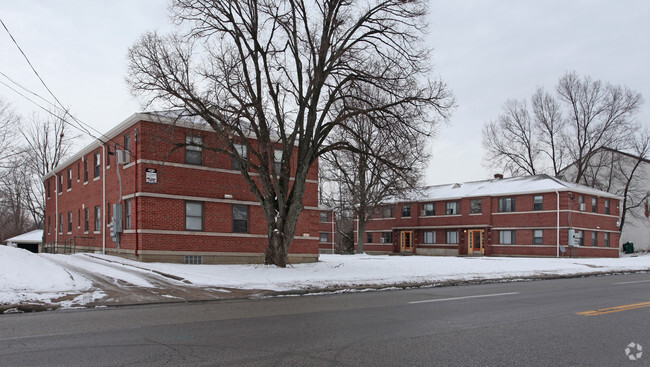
406,241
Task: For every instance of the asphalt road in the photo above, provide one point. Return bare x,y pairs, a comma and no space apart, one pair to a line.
535,323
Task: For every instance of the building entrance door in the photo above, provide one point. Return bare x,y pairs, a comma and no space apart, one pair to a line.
406,241
475,241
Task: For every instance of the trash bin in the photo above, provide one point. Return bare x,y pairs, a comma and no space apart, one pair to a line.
628,247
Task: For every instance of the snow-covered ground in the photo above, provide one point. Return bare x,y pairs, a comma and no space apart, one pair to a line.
26,277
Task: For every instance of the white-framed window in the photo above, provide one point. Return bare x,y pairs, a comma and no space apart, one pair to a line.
98,218
277,161
594,238
387,212
507,204
324,237
240,218
97,164
538,202
453,207
194,149
429,237
60,223
428,209
193,215
127,214
594,205
324,217
607,206
476,206
69,222
242,150
406,211
606,240
538,237
507,237
581,203
86,220
69,178
452,236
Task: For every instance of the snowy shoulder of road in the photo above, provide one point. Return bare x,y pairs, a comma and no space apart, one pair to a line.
373,270
29,277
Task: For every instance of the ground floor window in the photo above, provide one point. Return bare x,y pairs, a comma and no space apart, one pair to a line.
429,237
538,237
387,237
594,238
452,236
193,259
86,220
193,215
507,237
69,222
60,223
369,237
240,218
606,239
98,218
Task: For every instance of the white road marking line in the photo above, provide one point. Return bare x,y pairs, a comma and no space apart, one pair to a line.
636,281
465,297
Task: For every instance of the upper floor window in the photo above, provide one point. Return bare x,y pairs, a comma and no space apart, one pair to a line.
476,206
78,171
242,151
60,183
507,204
581,202
538,202
324,237
387,212
127,142
194,149
85,170
97,164
594,205
69,178
47,188
277,160
406,211
607,206
324,217
428,209
453,207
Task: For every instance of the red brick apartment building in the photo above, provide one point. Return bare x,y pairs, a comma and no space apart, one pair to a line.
525,216
327,232
185,205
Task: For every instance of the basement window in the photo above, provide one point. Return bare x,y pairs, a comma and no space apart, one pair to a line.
193,259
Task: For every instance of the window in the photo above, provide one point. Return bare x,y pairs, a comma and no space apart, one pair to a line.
60,184
507,237
127,142
594,205
429,237
108,213
69,178
581,201
452,236
193,215
607,206
69,222
86,220
49,224
98,218
324,237
240,218
476,206
78,218
47,188
277,160
406,211
78,171
108,157
387,212
453,207
60,223
594,238
85,170
97,162
428,209
193,259
538,202
507,205
387,237
324,217
127,214
606,239
579,238
369,237
538,237
194,149
242,150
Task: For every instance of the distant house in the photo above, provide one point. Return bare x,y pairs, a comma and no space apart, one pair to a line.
524,216
608,170
31,241
326,231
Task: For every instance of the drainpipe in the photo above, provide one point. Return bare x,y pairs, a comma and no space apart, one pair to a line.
557,228
135,190
333,233
103,163
56,209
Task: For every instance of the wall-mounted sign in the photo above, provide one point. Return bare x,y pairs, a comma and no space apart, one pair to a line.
151,175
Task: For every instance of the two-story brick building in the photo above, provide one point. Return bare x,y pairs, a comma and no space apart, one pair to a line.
524,216
327,231
180,203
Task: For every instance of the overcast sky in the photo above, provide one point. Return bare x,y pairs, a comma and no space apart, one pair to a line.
486,51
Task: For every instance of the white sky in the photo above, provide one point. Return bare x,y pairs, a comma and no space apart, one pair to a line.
487,51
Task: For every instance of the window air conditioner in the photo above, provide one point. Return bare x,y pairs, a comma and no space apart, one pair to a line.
382,240
123,156
583,207
423,213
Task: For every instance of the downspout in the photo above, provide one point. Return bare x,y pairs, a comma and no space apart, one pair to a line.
557,228
103,163
56,209
333,233
135,192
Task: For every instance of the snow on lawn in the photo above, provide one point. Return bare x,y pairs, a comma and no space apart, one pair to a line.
25,277
367,270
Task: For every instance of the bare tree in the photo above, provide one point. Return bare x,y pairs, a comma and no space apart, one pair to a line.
583,117
288,73
9,123
14,218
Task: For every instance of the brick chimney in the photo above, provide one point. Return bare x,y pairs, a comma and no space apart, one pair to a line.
498,176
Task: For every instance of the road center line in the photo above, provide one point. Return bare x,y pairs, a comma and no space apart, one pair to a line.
604,311
636,281
465,297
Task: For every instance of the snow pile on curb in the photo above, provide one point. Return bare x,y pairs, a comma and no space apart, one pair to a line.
25,276
371,270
